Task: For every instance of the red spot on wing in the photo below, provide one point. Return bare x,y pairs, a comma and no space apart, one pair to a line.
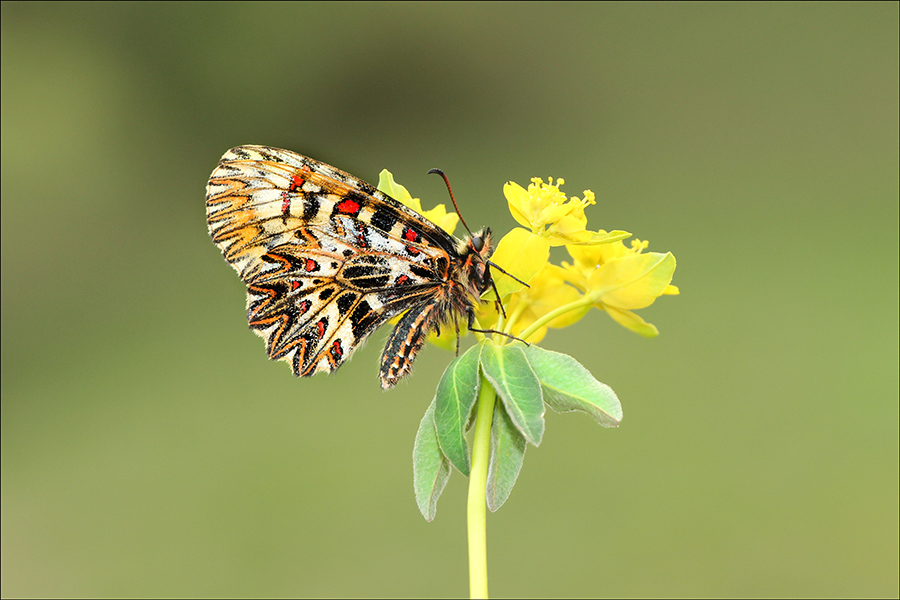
411,235
304,306
295,185
348,207
298,179
311,265
320,328
402,280
336,349
294,285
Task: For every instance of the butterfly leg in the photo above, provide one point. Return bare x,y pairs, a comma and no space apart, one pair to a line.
471,316
490,264
494,285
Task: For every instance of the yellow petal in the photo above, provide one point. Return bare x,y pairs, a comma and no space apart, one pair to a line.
560,296
568,230
513,192
393,189
634,281
521,254
486,315
575,276
628,319
520,218
515,197
587,258
547,292
552,213
603,237
415,204
440,217
572,223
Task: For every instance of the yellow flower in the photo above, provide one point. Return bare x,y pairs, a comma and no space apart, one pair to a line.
619,279
546,211
551,219
605,273
521,254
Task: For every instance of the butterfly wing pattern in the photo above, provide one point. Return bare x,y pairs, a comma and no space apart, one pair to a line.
327,259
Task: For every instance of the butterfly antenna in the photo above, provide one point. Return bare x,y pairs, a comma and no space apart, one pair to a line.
447,181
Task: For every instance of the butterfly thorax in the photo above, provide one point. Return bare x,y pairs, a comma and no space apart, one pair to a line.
474,252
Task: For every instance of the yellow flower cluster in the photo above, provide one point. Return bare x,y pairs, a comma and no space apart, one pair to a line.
605,273
546,211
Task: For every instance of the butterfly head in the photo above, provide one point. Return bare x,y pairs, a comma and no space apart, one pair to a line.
475,252
480,243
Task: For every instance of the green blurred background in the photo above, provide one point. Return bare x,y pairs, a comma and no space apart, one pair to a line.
150,449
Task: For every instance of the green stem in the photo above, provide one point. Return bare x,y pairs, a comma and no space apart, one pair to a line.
477,505
514,317
586,300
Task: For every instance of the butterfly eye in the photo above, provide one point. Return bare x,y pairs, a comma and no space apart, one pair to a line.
477,243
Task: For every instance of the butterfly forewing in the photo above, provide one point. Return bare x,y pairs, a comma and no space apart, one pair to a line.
327,259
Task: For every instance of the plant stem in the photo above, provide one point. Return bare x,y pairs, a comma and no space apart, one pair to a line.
477,505
586,300
514,317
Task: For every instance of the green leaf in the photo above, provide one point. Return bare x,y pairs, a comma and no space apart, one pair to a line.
431,469
454,400
506,367
568,386
507,454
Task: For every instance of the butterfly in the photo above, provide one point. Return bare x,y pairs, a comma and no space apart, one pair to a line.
327,259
